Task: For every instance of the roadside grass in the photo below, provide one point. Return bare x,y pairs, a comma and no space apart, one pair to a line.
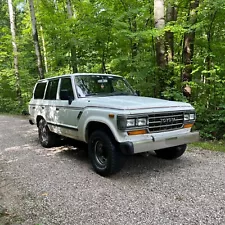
210,145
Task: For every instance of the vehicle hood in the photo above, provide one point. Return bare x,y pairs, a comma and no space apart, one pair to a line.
133,103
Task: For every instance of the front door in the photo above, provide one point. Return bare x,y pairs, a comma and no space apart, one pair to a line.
67,114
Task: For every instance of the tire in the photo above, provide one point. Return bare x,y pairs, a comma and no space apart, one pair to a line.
46,137
171,153
105,158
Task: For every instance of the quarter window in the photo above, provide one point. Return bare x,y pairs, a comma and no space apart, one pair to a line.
52,89
39,90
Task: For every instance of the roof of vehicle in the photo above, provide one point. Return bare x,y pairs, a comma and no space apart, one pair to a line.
80,74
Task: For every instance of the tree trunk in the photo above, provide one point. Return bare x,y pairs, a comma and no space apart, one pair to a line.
44,50
210,34
36,41
159,18
171,15
133,43
188,48
73,48
15,51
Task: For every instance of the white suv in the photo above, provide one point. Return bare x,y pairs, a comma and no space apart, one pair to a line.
105,112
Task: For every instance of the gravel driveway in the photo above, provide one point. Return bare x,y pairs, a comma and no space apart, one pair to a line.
58,185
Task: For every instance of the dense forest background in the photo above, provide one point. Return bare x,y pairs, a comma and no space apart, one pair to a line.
172,49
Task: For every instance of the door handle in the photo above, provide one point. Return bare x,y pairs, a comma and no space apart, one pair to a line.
33,107
57,109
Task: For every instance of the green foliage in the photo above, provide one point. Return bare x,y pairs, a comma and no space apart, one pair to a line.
118,36
211,122
218,146
173,94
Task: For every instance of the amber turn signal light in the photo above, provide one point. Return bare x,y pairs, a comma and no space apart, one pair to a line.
111,115
189,125
137,132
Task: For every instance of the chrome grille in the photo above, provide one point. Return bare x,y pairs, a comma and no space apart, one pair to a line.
165,121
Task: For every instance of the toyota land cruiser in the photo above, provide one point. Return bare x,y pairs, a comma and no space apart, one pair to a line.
104,111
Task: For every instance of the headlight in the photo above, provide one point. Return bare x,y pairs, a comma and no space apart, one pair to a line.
130,122
189,116
192,116
123,122
186,117
141,122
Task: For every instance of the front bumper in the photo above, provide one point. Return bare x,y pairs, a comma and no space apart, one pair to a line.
155,143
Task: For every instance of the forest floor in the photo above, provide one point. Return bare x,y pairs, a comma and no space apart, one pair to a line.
58,186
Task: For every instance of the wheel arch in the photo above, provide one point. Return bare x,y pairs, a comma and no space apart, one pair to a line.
96,125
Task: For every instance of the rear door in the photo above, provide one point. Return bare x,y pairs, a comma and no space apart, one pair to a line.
49,103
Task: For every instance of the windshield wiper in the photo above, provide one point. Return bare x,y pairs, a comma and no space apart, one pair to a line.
91,94
121,93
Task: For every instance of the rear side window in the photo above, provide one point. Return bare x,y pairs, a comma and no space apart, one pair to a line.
39,90
52,89
66,85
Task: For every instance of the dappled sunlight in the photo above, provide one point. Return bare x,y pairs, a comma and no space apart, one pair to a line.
12,161
19,148
56,150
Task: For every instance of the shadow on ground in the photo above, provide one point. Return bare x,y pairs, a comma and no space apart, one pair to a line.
135,164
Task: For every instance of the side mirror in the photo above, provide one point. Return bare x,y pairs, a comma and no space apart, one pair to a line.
137,93
70,100
64,95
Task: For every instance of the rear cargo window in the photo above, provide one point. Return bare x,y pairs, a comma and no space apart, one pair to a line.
39,90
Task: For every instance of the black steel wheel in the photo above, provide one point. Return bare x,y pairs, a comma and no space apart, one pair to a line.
46,137
171,153
105,157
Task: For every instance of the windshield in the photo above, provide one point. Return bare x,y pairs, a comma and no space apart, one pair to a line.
101,85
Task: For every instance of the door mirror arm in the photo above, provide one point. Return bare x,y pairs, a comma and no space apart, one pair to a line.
70,99
137,92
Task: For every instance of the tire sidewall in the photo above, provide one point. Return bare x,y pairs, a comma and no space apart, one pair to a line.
109,148
42,124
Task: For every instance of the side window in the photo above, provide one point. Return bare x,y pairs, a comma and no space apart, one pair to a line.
66,85
39,90
52,89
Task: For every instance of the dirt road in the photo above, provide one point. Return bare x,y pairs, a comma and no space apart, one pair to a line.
58,185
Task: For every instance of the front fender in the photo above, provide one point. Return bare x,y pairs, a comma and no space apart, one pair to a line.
110,123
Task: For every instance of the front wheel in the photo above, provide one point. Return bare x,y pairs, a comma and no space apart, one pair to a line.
171,153
46,137
105,158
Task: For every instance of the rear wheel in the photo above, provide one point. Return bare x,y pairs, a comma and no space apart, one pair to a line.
46,137
105,158
171,153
